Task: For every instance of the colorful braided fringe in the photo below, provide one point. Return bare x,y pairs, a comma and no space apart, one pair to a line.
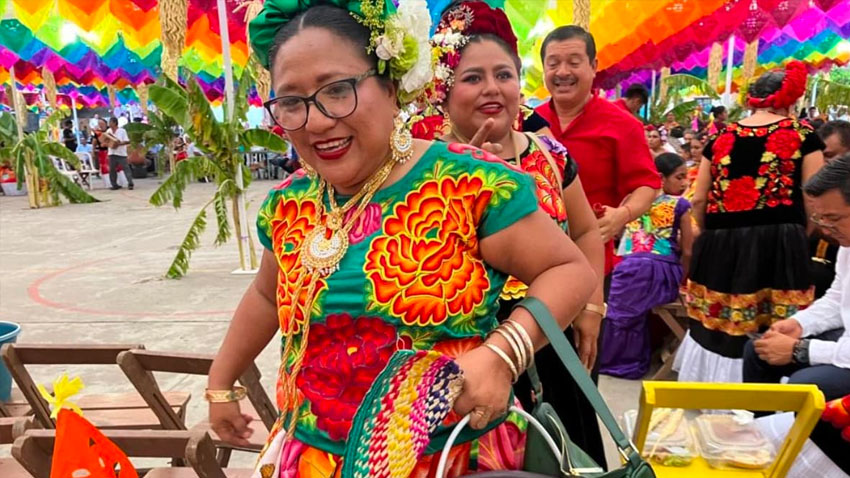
404,406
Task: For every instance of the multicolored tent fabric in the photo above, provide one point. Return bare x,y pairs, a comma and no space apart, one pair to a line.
89,44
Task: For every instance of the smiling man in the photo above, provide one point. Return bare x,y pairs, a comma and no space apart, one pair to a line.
813,346
607,142
610,148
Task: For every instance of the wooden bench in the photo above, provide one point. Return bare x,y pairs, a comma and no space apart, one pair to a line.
106,411
34,450
670,314
139,365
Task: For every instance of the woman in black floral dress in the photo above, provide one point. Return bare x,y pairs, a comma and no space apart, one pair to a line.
751,264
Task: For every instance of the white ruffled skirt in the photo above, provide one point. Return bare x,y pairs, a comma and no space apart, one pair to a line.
696,364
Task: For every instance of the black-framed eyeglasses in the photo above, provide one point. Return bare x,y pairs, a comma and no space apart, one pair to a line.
335,100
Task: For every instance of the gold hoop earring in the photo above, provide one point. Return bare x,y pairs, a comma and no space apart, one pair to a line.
401,141
447,124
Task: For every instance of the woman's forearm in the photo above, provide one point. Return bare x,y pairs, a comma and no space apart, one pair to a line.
253,326
564,298
590,243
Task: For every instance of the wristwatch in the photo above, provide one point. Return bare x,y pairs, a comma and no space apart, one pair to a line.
800,355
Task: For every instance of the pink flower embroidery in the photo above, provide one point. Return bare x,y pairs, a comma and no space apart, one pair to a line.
367,223
642,242
289,458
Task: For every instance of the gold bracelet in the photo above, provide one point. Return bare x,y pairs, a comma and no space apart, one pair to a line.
501,353
525,338
519,352
598,309
225,396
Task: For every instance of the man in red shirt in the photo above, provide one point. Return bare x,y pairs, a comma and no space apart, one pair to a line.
636,96
607,142
609,145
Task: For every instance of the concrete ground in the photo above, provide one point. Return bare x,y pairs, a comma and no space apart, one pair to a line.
93,273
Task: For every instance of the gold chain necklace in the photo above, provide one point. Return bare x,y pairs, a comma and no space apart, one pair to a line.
322,250
325,246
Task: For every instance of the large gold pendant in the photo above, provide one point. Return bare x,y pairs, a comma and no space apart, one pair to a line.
323,249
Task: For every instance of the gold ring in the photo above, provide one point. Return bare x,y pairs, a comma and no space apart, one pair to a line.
480,411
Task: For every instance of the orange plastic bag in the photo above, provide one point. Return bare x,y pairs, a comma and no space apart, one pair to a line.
81,446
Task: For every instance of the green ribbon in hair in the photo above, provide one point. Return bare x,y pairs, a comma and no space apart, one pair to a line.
277,13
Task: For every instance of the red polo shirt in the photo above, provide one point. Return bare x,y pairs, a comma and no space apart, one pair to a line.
622,104
609,145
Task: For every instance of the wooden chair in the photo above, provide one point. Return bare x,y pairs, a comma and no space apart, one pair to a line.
106,411
670,313
34,450
138,365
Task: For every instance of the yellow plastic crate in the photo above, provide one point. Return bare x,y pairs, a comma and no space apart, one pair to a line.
806,400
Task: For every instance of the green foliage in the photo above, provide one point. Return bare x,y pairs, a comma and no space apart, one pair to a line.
33,154
840,75
180,265
160,130
222,144
829,93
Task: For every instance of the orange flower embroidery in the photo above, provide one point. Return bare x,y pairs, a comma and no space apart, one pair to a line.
292,220
426,266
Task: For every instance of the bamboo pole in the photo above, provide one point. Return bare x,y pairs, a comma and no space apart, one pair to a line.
581,13
20,118
172,18
240,212
142,93
715,64
730,63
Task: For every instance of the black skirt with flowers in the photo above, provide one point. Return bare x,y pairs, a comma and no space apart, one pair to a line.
751,264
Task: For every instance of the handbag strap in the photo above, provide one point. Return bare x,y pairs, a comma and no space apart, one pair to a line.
568,357
546,154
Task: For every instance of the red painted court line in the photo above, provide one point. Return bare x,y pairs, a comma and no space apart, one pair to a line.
34,293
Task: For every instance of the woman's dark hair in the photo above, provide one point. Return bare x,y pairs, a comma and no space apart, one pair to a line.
834,175
677,132
479,37
717,110
767,84
668,163
334,19
568,32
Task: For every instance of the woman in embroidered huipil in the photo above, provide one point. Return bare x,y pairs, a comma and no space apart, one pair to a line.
375,246
750,263
478,88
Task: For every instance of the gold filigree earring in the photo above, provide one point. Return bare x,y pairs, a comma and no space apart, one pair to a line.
401,141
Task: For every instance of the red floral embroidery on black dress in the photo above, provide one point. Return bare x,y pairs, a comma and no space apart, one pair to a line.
773,186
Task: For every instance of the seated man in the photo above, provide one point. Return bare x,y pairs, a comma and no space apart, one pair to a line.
813,346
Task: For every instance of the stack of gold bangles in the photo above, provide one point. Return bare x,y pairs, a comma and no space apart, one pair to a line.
521,345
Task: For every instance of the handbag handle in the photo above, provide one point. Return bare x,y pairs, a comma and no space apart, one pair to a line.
568,357
444,455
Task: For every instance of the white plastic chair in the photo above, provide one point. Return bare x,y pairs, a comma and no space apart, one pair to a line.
66,170
87,169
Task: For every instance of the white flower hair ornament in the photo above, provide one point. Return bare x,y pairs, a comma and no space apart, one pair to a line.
400,42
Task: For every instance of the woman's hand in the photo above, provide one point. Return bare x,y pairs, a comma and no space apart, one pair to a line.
230,424
486,386
612,222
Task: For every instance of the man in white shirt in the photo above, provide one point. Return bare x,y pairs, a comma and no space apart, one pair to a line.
813,346
118,154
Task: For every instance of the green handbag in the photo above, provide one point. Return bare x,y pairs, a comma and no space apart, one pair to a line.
539,457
